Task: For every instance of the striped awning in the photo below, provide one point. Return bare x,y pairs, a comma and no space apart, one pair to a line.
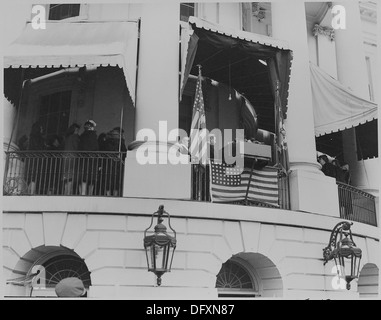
78,44
239,34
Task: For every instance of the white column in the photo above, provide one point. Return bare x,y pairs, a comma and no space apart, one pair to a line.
310,190
289,23
351,71
350,57
157,102
158,74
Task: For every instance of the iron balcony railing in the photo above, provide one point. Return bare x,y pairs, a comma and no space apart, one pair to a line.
64,173
356,205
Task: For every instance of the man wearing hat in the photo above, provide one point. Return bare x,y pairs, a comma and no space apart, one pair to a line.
327,167
115,142
71,287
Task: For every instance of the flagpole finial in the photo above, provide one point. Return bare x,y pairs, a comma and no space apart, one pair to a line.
199,69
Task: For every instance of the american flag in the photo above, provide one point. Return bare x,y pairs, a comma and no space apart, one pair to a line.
227,184
198,144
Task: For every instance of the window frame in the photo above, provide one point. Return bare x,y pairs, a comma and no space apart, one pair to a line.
49,290
57,112
196,8
47,87
83,13
237,293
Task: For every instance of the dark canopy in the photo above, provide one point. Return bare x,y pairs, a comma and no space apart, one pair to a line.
234,59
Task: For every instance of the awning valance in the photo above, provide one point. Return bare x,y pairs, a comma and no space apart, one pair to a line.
335,107
78,44
238,34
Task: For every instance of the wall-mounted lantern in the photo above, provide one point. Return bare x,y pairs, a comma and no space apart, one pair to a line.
343,250
159,245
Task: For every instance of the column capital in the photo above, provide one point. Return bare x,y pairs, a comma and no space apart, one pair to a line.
324,31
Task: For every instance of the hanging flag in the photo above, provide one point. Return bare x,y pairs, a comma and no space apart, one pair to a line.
249,118
281,142
198,143
227,184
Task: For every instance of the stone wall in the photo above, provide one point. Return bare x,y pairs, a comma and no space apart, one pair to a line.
112,248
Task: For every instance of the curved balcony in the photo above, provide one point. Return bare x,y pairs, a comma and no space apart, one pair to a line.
64,173
356,205
100,174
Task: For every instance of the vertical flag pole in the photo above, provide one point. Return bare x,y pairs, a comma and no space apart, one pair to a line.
198,148
281,146
199,169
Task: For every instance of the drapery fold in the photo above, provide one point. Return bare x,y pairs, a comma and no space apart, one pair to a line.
335,106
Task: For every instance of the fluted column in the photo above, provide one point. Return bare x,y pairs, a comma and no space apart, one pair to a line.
306,179
149,171
289,23
158,74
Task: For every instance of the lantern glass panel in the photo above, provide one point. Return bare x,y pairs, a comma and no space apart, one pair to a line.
350,267
342,265
338,267
355,266
158,257
150,257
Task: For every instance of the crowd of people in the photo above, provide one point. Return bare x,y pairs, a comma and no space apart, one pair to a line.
86,164
334,169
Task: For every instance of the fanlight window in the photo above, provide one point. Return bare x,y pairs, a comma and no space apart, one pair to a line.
234,280
65,266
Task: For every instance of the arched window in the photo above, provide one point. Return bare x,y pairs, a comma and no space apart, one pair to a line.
65,266
53,267
40,269
234,280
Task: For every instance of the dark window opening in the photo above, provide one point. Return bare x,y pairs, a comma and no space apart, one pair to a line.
185,113
367,140
65,266
63,11
54,113
331,144
186,10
